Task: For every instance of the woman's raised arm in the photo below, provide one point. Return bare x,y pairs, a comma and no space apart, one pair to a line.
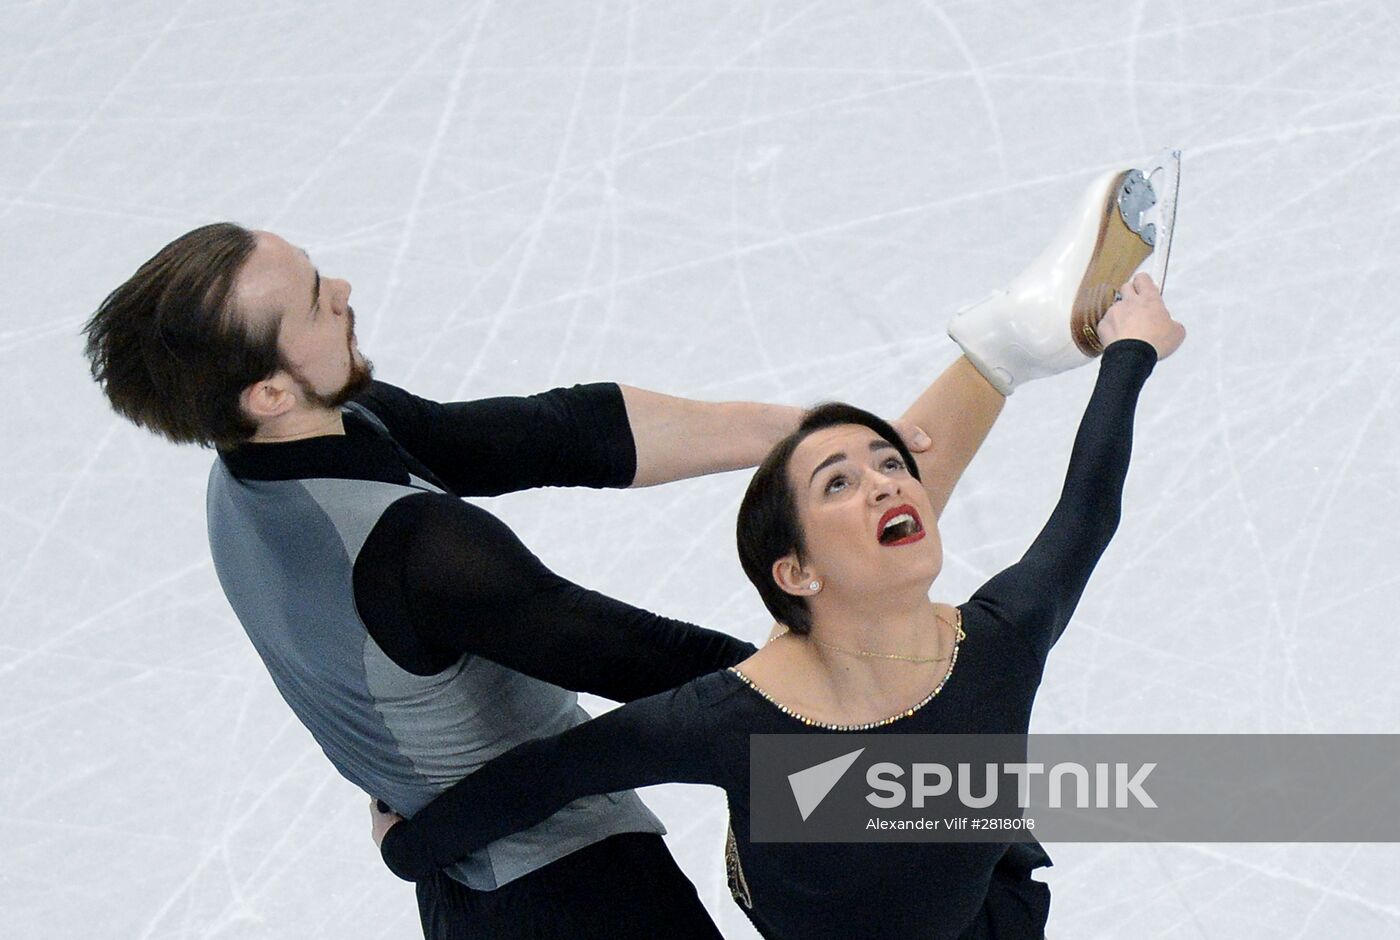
1037,596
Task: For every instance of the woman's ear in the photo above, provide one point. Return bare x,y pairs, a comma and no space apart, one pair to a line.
793,578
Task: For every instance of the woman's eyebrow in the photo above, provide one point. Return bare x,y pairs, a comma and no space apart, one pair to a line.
834,458
878,444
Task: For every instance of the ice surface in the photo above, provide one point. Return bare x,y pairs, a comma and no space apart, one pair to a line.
771,200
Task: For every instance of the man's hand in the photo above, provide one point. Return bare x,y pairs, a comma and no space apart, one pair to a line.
381,821
1142,315
914,437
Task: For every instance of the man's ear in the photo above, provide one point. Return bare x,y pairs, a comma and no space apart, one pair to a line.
793,577
267,398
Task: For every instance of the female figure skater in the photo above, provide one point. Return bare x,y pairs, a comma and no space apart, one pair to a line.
839,537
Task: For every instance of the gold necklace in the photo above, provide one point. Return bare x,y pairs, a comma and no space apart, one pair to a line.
867,653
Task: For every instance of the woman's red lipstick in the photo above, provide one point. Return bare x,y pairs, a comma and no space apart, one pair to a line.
911,537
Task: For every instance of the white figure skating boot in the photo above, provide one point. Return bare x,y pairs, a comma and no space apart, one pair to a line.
1043,323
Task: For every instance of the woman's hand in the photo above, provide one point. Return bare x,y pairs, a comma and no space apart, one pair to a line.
1141,315
381,822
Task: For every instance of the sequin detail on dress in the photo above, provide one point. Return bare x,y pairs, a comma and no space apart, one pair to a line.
953,661
734,871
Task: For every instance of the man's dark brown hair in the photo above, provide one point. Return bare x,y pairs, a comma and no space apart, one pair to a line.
170,351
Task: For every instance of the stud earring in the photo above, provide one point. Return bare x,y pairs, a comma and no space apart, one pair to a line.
815,586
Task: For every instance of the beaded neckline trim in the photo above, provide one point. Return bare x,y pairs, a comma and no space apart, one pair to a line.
952,662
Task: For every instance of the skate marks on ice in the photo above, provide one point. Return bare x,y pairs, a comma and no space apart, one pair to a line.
774,200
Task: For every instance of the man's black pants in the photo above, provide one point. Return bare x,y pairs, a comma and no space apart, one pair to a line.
626,886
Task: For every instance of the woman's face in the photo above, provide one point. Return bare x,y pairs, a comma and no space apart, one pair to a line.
866,521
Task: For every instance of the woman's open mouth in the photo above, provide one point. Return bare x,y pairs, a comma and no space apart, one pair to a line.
900,526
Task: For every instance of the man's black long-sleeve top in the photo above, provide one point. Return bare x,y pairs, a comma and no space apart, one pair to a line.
439,578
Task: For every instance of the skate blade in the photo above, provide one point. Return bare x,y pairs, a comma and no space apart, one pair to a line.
1164,174
1138,215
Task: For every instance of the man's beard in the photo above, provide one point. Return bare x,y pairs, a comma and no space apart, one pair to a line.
359,379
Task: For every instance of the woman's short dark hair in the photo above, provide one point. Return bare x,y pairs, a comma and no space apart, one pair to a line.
768,524
169,350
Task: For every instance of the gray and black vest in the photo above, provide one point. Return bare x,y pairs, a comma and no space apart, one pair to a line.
285,552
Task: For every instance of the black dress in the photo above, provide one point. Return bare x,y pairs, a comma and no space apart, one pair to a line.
699,733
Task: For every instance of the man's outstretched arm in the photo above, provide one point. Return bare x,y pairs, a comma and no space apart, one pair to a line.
587,435
677,438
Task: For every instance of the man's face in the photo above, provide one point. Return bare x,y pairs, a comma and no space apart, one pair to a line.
316,331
